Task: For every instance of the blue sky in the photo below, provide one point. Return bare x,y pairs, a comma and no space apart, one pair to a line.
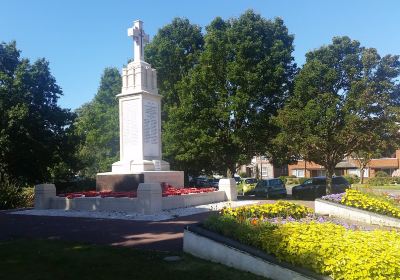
81,38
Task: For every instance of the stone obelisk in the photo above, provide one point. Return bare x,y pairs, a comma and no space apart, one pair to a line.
140,126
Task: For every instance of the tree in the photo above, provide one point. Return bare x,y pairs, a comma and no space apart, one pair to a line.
33,128
378,146
98,125
174,51
344,100
364,157
226,101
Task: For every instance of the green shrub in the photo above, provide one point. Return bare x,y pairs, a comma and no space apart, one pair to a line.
302,180
395,180
292,180
28,195
381,181
289,180
380,174
284,178
249,188
244,188
352,179
11,195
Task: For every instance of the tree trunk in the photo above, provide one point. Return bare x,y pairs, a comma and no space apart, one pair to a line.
329,174
305,169
186,177
230,172
362,175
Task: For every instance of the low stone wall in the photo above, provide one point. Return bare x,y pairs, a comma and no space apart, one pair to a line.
181,201
216,248
149,199
324,207
95,203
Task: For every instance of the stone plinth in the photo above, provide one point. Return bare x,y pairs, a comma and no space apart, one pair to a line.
149,197
43,195
229,187
121,182
118,182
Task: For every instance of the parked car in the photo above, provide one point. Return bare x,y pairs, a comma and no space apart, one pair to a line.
213,182
249,181
199,182
237,179
316,187
247,185
270,188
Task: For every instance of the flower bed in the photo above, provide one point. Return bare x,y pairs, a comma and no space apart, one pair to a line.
171,191
384,204
279,209
166,191
322,246
98,194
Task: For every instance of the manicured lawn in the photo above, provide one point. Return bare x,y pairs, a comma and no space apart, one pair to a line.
384,187
57,260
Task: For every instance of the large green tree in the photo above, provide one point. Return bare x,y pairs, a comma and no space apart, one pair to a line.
33,128
98,126
227,100
345,99
174,51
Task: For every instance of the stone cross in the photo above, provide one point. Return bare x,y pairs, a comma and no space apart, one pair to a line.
140,39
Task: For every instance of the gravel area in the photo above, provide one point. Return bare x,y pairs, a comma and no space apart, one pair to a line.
117,215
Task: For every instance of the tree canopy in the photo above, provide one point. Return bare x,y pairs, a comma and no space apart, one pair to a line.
174,51
34,130
226,101
345,99
97,125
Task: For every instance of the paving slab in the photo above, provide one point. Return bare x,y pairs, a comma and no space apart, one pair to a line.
164,235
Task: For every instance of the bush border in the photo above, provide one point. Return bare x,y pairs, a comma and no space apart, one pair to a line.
253,252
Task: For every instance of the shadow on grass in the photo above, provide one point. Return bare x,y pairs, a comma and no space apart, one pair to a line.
50,259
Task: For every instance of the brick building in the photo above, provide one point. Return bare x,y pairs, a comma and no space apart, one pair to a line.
261,168
348,166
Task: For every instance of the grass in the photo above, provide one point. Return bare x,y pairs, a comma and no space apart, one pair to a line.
50,259
383,187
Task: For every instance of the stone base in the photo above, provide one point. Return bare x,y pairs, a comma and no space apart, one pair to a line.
134,166
122,182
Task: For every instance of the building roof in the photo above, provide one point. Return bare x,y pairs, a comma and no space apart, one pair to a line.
345,164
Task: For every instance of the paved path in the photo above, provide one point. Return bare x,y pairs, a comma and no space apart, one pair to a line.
161,235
